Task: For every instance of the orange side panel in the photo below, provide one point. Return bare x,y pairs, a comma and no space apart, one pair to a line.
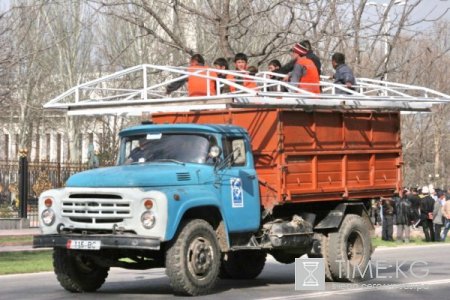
315,156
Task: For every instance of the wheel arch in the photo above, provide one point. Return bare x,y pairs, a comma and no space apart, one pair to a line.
211,214
334,218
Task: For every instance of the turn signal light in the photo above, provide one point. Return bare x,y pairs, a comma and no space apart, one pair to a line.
48,202
148,203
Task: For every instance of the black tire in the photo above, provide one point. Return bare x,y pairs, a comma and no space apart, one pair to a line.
324,250
349,249
283,257
223,274
246,264
76,272
193,259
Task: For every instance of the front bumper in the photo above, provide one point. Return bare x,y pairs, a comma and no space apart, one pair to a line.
108,241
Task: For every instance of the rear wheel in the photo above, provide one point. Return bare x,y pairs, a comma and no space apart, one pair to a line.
193,259
246,264
323,253
349,250
76,272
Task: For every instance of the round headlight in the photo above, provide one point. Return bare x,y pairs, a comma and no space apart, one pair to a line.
48,217
148,219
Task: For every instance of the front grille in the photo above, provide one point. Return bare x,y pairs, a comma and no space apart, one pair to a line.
96,208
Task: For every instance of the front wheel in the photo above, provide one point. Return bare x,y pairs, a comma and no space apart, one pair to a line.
76,272
193,259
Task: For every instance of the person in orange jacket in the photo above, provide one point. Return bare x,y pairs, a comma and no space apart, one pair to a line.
197,86
305,74
240,63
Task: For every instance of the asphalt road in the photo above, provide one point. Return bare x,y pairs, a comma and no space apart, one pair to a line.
419,272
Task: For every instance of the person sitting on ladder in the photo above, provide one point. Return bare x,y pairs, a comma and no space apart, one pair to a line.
197,86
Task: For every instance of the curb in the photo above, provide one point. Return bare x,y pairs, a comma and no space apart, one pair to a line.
25,248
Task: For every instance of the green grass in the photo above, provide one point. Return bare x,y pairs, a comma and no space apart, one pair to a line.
16,240
25,262
378,242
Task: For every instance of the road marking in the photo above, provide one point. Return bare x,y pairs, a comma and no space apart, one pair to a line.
358,290
385,248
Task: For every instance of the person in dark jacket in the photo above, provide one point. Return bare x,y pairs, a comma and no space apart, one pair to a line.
221,64
413,198
274,67
403,220
426,214
388,208
344,75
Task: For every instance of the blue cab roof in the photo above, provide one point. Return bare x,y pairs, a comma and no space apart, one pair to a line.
203,128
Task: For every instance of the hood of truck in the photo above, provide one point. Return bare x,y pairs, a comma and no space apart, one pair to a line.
140,175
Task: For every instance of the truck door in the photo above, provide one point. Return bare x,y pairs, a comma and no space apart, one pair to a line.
239,186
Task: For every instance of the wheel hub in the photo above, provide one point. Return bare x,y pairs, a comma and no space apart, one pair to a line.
355,248
200,256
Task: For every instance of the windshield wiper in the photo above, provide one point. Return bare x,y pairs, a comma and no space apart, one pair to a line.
169,160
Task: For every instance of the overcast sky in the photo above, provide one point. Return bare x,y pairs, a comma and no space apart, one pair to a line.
429,9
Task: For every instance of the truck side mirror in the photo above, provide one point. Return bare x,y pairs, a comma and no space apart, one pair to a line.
238,147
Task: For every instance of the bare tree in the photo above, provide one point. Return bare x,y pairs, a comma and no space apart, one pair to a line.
69,24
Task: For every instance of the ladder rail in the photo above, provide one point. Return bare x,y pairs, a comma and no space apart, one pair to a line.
149,83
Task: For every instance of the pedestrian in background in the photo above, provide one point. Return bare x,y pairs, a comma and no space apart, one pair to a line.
426,214
446,215
388,209
414,200
402,213
438,219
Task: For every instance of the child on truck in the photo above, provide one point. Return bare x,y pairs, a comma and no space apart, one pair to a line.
240,63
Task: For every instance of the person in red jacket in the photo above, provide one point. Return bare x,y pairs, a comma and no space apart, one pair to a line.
305,74
197,86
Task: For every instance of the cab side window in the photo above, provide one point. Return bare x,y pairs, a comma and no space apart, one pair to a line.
235,146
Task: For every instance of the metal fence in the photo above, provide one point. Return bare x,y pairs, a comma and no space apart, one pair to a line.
39,177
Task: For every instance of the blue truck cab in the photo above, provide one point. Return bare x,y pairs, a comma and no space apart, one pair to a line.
175,188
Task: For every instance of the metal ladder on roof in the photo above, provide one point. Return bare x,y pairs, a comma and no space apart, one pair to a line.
142,89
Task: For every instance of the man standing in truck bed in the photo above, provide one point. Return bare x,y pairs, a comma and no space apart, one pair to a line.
197,86
305,72
344,75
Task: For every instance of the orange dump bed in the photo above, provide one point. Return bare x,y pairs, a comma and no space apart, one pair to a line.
315,156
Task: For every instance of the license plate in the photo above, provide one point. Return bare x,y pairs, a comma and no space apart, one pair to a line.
83,245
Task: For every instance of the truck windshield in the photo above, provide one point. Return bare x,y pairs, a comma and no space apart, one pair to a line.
157,147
